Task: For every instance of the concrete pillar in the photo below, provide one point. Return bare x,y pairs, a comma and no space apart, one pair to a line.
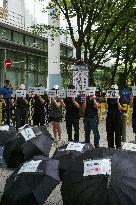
54,77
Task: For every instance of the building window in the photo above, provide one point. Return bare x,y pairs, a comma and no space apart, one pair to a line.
63,50
42,64
17,37
31,81
32,62
5,34
45,45
29,41
69,52
39,43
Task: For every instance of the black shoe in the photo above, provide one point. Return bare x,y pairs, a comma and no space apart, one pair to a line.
96,146
118,147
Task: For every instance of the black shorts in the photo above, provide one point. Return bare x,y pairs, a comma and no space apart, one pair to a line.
54,119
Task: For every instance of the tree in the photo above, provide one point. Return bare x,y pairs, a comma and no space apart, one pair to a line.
99,24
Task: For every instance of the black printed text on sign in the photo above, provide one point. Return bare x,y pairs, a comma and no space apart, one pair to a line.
80,79
97,167
30,166
21,93
112,93
61,93
31,90
90,91
52,93
28,134
71,93
75,146
39,90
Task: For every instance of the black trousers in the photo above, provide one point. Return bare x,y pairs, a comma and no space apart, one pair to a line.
114,125
39,118
21,117
75,123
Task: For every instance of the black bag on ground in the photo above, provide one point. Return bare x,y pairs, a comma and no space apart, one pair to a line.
30,186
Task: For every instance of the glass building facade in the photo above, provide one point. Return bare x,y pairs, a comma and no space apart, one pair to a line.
29,56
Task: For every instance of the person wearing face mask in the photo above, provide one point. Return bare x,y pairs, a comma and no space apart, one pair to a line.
6,94
21,109
90,107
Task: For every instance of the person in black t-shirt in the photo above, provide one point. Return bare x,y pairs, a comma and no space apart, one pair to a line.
90,107
72,106
21,109
113,121
39,110
55,116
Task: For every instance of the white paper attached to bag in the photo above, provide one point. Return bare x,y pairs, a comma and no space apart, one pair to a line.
4,128
73,146
129,146
96,167
30,166
28,133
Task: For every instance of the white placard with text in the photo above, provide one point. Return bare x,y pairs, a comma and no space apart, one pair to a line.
61,93
90,91
52,93
39,90
72,146
30,166
112,93
96,167
27,133
129,146
72,93
82,92
134,90
80,79
20,93
31,90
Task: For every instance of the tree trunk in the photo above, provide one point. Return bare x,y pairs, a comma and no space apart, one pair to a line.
115,66
122,80
78,52
91,77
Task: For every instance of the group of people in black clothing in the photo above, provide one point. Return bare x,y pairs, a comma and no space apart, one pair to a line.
72,106
90,108
21,106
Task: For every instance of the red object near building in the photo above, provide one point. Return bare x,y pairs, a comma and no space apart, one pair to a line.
8,63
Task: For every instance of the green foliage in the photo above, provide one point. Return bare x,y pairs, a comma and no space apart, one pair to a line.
103,26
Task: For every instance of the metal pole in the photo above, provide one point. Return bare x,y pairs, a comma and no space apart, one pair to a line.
124,116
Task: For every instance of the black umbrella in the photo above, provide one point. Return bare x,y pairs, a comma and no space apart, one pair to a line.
6,133
42,143
21,148
13,151
85,182
1,155
69,152
31,186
